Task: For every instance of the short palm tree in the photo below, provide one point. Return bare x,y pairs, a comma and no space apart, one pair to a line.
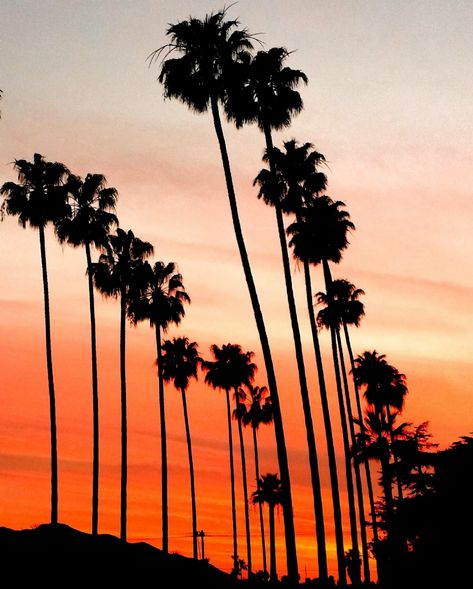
230,369
38,199
159,297
269,491
115,275
180,360
200,77
259,411
320,235
89,223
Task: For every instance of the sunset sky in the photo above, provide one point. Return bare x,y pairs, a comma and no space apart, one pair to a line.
389,105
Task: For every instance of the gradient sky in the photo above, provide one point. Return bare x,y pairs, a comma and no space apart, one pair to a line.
388,103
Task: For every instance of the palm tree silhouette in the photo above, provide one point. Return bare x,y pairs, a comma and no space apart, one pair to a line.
269,491
201,78
159,297
341,307
180,360
115,275
231,369
259,410
296,180
268,96
37,199
89,223
320,236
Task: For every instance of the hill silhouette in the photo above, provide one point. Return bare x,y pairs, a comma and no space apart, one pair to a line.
60,556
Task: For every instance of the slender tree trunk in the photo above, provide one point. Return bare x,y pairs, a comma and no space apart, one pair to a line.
343,420
245,497
260,506
289,531
400,493
309,425
369,481
52,395
273,573
124,431
95,397
164,452
356,466
232,483
332,461
191,471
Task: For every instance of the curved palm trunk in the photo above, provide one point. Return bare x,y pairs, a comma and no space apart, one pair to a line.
343,421
52,395
232,484
124,431
164,452
260,506
273,574
332,461
95,397
291,553
191,471
369,481
245,497
356,466
309,425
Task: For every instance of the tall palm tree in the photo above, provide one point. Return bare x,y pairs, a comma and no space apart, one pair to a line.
159,298
230,369
320,235
180,361
296,180
89,223
115,275
38,199
269,491
268,96
259,410
332,315
200,78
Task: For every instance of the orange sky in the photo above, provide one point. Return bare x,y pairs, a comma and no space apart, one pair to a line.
388,103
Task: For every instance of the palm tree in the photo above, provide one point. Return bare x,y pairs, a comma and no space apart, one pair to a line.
180,361
270,491
296,180
37,199
231,369
200,78
159,298
115,275
89,223
320,236
259,410
268,96
341,307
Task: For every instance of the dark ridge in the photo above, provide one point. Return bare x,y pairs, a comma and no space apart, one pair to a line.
60,556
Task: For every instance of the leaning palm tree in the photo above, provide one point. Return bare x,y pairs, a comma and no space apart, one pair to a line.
319,236
159,298
259,410
268,96
230,369
179,362
88,223
270,491
199,76
38,199
115,275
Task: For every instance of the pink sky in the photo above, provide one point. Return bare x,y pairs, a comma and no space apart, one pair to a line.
388,103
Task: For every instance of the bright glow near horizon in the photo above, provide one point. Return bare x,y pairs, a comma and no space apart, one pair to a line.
388,103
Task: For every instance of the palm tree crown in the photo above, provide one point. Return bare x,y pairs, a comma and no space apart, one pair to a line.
180,361
208,48
341,305
231,369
